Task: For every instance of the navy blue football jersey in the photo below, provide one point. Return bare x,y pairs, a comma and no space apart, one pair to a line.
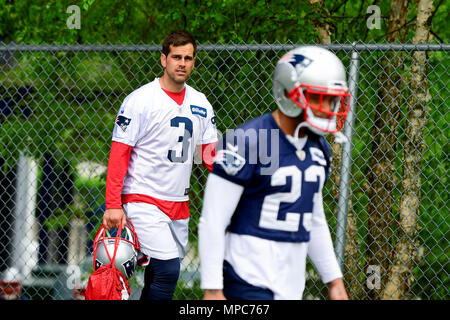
281,184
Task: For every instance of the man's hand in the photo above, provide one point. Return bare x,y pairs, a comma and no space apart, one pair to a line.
214,295
336,290
112,218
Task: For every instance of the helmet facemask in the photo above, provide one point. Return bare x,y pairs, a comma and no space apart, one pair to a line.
319,119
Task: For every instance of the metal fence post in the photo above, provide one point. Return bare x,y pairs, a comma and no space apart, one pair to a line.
344,186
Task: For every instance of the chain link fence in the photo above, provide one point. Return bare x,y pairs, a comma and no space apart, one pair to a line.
386,202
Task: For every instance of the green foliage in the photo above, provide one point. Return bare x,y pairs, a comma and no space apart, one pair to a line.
213,21
433,236
89,193
73,97
188,290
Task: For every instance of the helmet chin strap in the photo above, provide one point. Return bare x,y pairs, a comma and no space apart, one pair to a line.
339,137
299,126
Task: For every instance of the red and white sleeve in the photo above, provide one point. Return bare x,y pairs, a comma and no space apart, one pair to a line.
119,159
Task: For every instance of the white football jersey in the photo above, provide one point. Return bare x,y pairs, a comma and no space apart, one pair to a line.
163,135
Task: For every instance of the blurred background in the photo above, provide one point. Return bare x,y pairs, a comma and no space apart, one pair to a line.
66,66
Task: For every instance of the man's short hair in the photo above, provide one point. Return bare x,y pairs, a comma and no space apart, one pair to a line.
178,38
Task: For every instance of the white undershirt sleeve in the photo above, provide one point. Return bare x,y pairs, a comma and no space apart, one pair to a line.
220,200
320,246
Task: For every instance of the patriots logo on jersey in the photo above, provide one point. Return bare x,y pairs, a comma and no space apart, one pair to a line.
230,160
123,122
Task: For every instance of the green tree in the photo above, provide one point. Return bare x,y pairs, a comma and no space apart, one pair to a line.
65,102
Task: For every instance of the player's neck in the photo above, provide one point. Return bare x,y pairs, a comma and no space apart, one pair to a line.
167,84
288,124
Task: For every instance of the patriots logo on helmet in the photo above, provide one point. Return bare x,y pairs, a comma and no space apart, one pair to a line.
98,264
298,61
230,160
129,267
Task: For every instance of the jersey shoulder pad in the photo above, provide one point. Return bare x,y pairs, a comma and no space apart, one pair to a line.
235,153
139,97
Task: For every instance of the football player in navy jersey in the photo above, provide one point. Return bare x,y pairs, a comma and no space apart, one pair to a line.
263,209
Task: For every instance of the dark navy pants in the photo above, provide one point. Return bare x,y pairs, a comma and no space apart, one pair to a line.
236,288
160,279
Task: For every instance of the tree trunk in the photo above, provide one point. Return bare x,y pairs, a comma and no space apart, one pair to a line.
353,266
381,163
323,29
401,271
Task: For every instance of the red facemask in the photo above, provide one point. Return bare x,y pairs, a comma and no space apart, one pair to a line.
330,121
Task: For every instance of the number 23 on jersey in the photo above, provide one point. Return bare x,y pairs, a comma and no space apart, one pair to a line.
271,205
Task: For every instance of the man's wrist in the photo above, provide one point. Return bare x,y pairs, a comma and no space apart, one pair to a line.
113,207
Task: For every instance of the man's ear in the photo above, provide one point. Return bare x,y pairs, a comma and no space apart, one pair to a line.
163,60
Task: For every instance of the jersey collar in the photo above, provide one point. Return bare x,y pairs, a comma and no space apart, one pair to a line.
283,139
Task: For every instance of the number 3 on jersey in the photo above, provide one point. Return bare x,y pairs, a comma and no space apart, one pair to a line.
271,205
185,139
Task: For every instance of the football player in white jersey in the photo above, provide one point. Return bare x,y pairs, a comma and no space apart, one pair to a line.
157,129
260,221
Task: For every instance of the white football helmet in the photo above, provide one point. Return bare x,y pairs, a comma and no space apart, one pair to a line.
127,249
311,70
